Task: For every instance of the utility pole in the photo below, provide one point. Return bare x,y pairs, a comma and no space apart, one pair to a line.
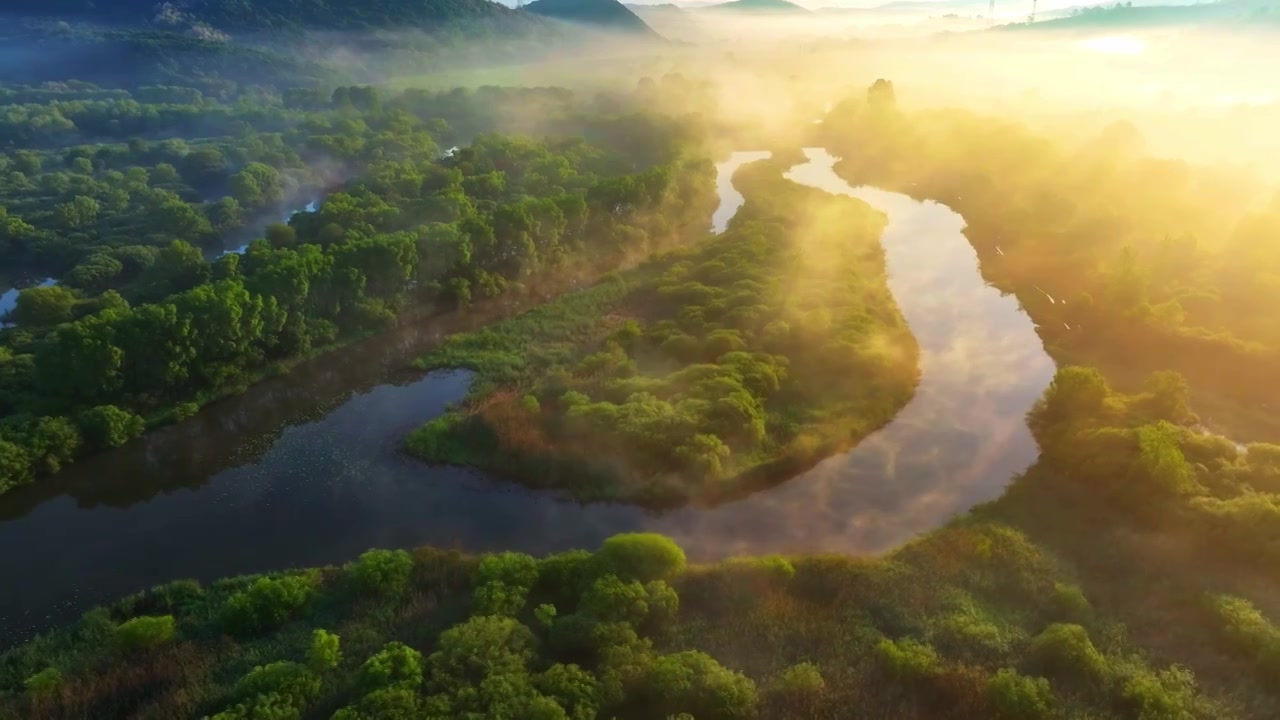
991,13
1033,10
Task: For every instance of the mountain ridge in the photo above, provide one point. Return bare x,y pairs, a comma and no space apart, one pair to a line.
598,14
758,6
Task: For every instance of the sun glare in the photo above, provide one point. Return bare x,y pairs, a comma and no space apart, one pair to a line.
1115,44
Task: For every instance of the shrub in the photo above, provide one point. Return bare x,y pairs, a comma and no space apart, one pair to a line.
291,681
182,411
381,572
385,704
575,689
562,577
108,426
482,645
545,614
325,652
142,633
1065,651
1015,697
504,581
612,599
395,666
642,556
1069,603
1166,695
968,636
799,680
261,707
907,659
46,683
695,683
266,604
168,599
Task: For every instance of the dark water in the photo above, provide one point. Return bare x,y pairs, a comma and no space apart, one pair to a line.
9,298
305,469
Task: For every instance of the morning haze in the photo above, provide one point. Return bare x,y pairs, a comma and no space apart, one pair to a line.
581,359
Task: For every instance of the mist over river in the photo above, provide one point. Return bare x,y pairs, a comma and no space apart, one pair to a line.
305,469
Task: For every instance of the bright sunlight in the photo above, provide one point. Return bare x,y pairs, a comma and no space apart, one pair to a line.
1115,44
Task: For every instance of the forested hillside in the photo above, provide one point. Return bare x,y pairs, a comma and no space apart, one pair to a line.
239,16
604,14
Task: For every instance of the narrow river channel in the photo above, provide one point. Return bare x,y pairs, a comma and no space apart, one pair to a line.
304,469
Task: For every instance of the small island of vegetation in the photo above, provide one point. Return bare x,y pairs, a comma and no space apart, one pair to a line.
714,369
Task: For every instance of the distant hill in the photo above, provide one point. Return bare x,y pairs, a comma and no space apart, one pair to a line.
602,14
671,21
758,6
265,42
130,58
1231,14
243,16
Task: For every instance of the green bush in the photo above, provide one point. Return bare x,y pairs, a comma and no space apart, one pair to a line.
266,605
695,683
575,689
108,426
325,652
46,683
1065,651
966,635
611,599
294,682
1166,695
798,681
642,556
1069,603
395,703
907,659
185,410
381,572
504,580
395,666
563,576
143,633
262,707
1015,697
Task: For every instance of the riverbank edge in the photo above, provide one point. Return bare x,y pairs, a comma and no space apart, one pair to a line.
518,298
1222,412
460,437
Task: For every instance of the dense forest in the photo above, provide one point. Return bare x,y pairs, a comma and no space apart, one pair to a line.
194,198
702,375
149,319
1009,613
1128,262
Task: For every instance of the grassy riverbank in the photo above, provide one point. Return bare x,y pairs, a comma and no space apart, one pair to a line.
701,375
1163,611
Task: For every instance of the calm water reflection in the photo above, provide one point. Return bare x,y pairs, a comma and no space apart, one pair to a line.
305,470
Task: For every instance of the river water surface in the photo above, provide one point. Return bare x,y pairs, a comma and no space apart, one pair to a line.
304,469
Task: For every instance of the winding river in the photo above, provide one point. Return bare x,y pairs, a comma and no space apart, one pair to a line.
304,469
